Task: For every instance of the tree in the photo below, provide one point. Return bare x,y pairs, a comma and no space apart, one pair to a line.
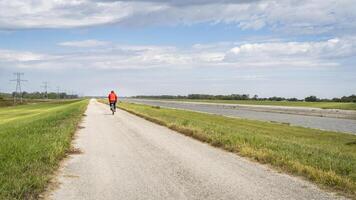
292,99
276,99
311,99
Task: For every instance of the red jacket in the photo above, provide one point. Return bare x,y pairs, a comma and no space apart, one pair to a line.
112,97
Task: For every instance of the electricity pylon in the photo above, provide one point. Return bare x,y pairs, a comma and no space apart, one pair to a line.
18,93
45,87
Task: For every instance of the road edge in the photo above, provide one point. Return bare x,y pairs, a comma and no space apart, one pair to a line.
54,183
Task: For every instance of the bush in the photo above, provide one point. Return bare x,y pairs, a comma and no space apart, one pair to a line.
311,99
292,99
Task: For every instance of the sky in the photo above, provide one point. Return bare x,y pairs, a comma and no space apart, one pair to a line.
289,48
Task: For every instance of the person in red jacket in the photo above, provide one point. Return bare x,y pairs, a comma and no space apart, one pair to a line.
112,99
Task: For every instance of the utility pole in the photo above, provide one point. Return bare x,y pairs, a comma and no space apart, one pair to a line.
45,87
18,86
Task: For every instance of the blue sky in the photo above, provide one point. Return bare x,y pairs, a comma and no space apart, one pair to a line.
270,48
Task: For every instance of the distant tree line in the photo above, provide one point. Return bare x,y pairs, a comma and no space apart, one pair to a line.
351,98
43,95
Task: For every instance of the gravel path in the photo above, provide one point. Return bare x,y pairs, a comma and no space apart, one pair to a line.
126,157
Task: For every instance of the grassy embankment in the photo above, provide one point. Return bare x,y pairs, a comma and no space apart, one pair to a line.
327,158
323,105
4,102
33,139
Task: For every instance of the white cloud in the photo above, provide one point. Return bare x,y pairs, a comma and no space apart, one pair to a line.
325,53
84,43
66,14
293,54
297,17
19,56
319,52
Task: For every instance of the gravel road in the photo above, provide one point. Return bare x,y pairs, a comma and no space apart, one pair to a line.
126,157
250,112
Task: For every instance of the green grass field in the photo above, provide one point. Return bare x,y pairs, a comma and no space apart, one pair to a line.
33,139
10,102
323,105
327,158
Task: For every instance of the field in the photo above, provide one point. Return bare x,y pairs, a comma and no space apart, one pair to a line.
323,105
10,102
326,158
33,139
6,102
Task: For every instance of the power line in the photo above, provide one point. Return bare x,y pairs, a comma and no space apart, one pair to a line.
18,93
45,87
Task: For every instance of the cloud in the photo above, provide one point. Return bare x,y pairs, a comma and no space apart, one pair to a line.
19,56
186,3
331,49
295,17
326,53
84,43
22,14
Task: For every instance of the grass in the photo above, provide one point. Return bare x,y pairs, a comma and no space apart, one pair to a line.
324,157
33,139
323,105
4,102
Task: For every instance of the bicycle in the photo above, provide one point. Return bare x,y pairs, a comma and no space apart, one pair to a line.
112,108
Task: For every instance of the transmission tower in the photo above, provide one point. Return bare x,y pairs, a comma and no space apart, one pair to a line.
45,87
18,92
58,92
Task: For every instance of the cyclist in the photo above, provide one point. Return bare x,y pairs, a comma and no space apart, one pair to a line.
112,99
